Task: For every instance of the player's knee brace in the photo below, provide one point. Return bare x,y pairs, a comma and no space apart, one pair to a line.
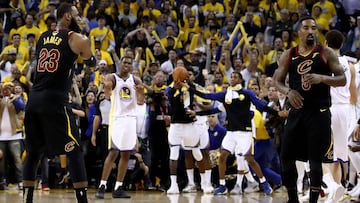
196,152
174,152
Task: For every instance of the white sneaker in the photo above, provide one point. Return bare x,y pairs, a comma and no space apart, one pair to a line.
237,190
173,190
252,187
207,188
338,192
189,189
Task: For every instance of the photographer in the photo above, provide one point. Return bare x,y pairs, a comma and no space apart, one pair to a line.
158,122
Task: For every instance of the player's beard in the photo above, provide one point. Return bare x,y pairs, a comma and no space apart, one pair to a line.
310,41
74,26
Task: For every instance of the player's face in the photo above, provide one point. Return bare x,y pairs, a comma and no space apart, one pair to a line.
74,19
126,65
235,79
308,32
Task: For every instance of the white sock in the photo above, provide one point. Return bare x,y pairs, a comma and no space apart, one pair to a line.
222,181
208,176
249,177
239,179
328,179
118,184
190,174
103,182
202,176
173,180
262,180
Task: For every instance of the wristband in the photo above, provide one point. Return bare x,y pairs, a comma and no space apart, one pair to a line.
91,62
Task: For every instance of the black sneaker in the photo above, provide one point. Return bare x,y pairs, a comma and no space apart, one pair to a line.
100,192
120,193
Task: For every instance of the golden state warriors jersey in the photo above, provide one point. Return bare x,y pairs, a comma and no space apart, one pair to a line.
123,98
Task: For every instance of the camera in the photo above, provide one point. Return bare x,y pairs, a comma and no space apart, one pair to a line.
155,97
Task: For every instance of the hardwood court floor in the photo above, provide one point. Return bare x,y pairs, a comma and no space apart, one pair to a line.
68,196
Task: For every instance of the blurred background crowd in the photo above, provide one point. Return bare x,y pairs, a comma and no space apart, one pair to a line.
212,38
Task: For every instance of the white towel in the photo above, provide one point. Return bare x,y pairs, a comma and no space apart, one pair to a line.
229,96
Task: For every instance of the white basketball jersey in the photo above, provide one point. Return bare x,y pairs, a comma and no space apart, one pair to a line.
123,98
341,95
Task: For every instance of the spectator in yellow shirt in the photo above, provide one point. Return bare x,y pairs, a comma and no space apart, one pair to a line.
328,10
214,7
291,5
192,28
103,55
29,27
104,33
151,11
43,15
321,22
22,51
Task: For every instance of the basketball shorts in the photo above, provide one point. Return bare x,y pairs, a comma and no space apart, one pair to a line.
53,132
183,134
342,119
307,135
238,142
122,133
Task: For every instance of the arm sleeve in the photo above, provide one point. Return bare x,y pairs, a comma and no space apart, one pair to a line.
260,104
219,96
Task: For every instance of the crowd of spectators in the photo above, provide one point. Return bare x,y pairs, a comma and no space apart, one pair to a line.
160,35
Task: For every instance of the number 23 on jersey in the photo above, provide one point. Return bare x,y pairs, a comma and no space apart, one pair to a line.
48,60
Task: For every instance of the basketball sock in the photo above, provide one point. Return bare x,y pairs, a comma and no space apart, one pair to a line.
292,193
103,182
202,177
28,193
118,184
314,195
208,176
239,179
81,195
249,177
262,179
190,174
222,181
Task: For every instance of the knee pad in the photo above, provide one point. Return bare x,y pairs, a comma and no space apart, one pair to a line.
196,152
174,152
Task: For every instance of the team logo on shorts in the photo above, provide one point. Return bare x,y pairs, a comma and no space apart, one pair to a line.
69,146
241,97
125,93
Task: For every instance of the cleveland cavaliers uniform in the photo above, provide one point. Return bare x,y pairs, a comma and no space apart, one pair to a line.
311,123
47,117
122,122
343,115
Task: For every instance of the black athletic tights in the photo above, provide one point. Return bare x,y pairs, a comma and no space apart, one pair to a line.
289,178
76,165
